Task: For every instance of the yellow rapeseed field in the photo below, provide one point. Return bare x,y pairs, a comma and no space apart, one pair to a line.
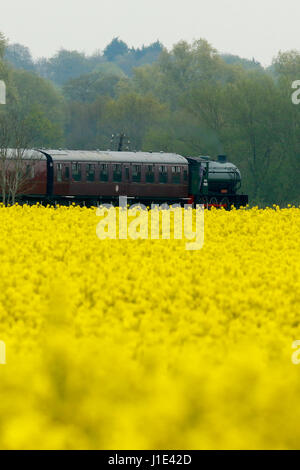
119,344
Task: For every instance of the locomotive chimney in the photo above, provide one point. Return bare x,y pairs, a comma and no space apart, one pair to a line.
222,158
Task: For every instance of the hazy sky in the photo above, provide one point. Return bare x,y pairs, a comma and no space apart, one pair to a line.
249,28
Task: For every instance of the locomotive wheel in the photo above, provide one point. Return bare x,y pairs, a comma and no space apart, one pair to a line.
213,201
225,202
204,201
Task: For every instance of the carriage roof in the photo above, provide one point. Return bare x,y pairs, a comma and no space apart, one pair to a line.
115,157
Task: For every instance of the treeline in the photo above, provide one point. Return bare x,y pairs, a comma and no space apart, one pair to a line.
190,100
117,59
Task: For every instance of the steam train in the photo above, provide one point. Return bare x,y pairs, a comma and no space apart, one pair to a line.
93,177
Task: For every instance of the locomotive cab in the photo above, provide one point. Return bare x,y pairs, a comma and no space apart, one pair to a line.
215,182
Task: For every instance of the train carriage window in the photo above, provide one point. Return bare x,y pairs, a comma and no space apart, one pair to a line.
76,171
103,176
59,172
67,172
29,171
117,173
185,175
90,172
136,173
126,173
176,174
163,174
150,174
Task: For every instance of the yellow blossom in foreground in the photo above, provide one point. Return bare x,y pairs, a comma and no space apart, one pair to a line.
119,344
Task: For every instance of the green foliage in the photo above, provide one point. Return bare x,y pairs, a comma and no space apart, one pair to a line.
138,57
19,56
287,64
2,45
41,131
252,116
88,87
64,66
247,64
37,105
114,49
109,69
133,114
35,91
6,76
83,130
181,134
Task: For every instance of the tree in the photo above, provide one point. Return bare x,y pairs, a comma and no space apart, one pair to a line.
37,95
181,133
286,69
88,87
19,56
114,49
82,128
253,130
186,66
6,75
64,66
2,45
134,115
247,64
155,47
287,64
205,102
41,131
15,176
138,57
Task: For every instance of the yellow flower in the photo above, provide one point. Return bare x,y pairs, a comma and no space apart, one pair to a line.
119,344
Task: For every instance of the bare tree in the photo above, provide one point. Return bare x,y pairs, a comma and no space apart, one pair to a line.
4,150
16,162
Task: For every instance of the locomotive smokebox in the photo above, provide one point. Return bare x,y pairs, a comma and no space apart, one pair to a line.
222,158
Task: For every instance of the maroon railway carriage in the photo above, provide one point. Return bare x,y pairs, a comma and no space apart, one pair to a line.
92,177
99,176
